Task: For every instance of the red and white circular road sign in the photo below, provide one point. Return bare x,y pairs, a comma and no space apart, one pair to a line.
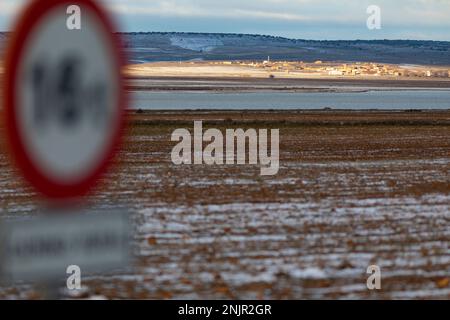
64,97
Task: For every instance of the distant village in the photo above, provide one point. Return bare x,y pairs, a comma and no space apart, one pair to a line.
343,69
330,69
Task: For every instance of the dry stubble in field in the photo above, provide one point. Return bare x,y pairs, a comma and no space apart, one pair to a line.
352,190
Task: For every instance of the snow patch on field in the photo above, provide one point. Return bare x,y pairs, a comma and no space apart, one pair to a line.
309,273
196,43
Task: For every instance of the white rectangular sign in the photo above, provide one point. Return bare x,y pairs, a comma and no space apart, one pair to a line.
43,247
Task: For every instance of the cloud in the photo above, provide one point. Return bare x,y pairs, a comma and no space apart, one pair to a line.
172,10
345,19
403,12
9,7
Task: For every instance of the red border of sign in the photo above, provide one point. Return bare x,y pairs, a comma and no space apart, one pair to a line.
48,187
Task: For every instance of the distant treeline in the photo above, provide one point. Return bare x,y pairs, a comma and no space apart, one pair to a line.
279,38
399,42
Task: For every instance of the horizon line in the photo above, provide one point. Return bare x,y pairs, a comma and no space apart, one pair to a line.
265,35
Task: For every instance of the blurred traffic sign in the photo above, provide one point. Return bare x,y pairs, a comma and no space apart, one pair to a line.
42,248
64,95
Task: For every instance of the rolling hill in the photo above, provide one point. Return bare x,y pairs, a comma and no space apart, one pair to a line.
146,47
174,46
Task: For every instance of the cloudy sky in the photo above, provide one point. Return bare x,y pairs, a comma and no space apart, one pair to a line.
306,19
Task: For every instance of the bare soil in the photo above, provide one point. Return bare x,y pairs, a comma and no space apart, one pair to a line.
354,189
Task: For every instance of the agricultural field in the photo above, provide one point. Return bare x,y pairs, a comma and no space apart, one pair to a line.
354,189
